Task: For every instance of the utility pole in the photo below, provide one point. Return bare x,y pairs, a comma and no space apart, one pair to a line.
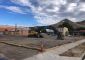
15,29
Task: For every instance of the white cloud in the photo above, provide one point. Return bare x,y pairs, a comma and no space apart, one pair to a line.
39,8
51,11
54,2
55,9
50,8
21,2
82,7
72,19
71,7
13,9
46,8
47,20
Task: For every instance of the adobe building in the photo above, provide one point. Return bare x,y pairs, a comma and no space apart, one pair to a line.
12,30
63,30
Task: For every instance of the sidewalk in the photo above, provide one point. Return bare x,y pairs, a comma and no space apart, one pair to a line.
53,53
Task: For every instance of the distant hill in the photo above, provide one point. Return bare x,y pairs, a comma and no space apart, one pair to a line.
81,22
73,24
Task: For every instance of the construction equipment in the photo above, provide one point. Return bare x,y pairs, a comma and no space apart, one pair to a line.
32,33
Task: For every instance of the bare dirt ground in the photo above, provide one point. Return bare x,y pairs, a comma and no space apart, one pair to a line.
76,51
19,53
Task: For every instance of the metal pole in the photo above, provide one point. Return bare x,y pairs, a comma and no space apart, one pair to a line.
15,29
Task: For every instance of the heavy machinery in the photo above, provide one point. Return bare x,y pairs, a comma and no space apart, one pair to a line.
34,33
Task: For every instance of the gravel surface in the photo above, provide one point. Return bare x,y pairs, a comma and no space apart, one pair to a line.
19,53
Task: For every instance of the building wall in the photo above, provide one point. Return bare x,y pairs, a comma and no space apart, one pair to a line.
63,30
11,31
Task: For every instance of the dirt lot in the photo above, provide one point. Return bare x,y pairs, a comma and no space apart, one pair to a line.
76,51
19,53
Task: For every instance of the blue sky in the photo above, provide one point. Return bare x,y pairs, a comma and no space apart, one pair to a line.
8,17
40,12
11,18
